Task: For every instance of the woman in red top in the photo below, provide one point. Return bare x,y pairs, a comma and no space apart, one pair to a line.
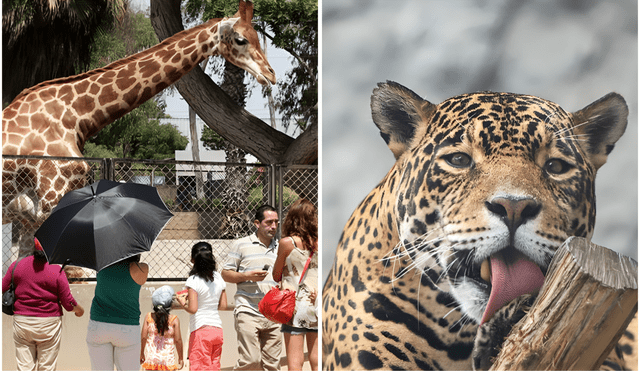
41,291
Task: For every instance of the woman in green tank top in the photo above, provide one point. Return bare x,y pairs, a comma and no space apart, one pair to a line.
113,336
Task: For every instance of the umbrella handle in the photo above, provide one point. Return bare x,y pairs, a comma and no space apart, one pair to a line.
64,265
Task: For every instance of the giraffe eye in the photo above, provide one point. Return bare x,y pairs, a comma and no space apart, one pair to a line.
241,41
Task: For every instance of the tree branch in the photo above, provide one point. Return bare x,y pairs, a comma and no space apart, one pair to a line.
220,113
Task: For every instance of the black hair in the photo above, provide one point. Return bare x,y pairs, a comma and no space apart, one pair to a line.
162,318
204,264
260,212
40,256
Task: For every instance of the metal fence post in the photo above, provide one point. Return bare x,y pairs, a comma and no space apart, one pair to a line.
108,171
272,185
280,191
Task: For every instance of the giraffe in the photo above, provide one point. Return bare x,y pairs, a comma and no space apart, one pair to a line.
56,117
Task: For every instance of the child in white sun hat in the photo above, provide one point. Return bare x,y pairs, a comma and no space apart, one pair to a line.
162,333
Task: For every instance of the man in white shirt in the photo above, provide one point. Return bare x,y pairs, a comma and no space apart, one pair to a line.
249,265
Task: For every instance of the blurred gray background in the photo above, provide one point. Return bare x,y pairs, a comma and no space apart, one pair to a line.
569,52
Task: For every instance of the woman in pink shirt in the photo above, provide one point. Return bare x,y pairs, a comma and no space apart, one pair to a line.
41,291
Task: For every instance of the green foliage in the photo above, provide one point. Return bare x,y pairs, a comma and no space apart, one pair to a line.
211,140
128,37
44,40
202,10
290,196
254,200
139,134
255,197
162,141
289,21
171,204
98,150
294,28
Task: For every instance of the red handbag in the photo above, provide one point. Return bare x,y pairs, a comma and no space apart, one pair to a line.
278,305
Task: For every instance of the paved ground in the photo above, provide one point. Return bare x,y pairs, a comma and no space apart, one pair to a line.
73,353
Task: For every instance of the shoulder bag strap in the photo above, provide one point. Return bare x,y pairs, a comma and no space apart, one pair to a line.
11,287
308,260
305,268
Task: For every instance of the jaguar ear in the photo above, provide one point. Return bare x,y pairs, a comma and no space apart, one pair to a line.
398,112
599,125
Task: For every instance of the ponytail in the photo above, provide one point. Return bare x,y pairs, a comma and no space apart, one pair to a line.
162,318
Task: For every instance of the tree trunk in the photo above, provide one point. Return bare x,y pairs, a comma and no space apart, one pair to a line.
225,117
195,154
195,147
588,299
236,192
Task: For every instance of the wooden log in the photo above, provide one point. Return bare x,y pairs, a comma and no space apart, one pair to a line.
589,297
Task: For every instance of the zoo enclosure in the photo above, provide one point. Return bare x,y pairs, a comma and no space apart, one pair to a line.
211,201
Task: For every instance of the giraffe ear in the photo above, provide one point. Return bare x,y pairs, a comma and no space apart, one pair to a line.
399,113
226,28
241,7
599,125
248,13
245,11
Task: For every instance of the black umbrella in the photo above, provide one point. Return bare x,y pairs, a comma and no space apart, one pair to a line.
103,223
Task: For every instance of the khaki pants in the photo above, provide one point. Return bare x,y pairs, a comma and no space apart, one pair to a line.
259,342
111,344
37,342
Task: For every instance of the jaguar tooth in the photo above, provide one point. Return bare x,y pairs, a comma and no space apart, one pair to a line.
485,270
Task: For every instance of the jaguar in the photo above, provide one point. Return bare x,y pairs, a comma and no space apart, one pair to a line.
448,251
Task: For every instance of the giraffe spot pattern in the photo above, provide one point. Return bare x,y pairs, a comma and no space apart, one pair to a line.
74,108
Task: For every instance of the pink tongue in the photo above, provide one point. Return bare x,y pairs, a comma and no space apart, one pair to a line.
510,281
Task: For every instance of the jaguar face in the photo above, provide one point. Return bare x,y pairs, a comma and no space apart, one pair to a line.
492,184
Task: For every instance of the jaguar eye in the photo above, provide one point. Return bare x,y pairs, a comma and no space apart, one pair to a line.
241,41
458,159
557,166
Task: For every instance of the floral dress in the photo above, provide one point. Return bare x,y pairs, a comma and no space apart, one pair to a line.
305,314
159,352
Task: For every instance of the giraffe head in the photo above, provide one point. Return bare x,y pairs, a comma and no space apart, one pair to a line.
239,44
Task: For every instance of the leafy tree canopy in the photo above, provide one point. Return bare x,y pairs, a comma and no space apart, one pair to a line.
211,140
47,39
139,134
132,35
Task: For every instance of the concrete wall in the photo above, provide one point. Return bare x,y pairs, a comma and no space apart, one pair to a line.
73,353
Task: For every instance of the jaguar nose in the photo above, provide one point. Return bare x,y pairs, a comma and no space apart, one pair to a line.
514,211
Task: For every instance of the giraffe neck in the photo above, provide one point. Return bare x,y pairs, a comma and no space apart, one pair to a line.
92,100
143,75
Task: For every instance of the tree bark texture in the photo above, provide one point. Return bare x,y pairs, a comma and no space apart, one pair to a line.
225,117
195,152
236,191
588,299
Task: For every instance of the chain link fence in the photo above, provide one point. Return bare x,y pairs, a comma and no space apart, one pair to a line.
211,202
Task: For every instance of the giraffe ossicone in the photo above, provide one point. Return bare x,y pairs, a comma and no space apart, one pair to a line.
56,117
